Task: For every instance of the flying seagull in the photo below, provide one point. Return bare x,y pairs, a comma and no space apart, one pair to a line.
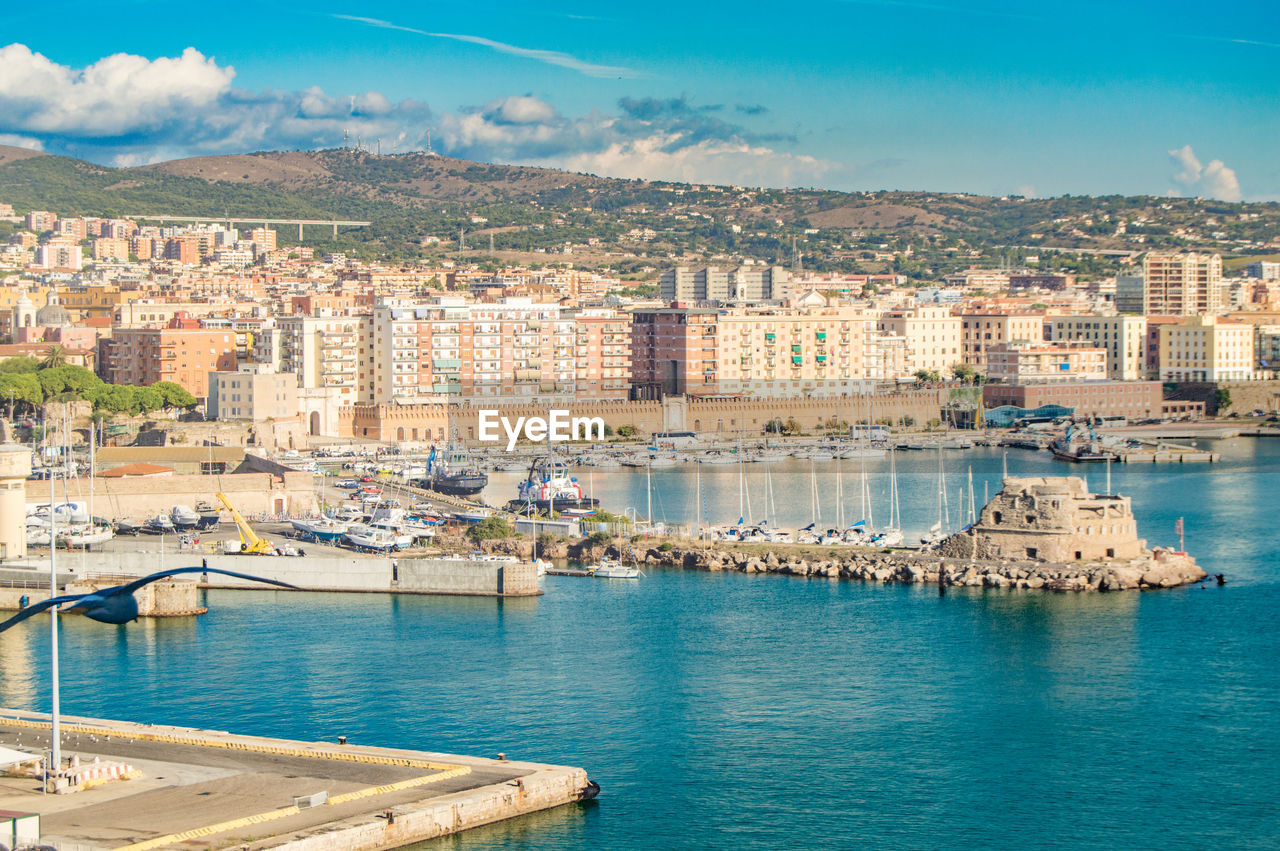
117,605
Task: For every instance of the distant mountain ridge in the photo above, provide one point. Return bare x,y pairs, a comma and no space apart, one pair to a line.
417,199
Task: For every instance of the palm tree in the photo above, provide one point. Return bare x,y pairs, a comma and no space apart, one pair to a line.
56,356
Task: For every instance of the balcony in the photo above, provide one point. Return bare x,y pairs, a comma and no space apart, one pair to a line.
446,363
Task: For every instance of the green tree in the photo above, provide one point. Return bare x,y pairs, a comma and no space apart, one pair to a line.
20,364
117,398
20,388
774,426
1223,397
175,396
149,399
54,357
490,528
964,373
626,431
927,376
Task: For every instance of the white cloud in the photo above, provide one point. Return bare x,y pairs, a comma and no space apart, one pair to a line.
128,110
707,161
1214,180
16,141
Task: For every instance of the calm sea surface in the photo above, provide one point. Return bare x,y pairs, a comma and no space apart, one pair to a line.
733,711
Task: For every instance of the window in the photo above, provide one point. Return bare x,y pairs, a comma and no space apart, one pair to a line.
1031,552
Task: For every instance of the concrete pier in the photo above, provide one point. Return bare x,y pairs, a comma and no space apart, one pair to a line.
312,572
198,789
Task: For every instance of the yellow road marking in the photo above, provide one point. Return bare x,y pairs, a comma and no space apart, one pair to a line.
346,797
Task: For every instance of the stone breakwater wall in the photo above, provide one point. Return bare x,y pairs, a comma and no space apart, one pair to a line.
1156,569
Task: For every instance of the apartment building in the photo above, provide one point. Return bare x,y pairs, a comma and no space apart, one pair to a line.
602,354
710,283
110,248
932,337
184,356
782,352
59,255
1178,285
1030,363
980,329
1206,348
320,352
252,394
673,352
1123,337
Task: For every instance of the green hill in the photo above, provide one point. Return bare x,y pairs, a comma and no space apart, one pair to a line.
531,214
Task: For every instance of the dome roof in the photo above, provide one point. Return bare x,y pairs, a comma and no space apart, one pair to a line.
53,316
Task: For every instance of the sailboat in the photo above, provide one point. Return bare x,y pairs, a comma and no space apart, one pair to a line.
937,532
892,535
94,530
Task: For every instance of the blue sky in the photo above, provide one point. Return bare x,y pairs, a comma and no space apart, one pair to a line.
980,96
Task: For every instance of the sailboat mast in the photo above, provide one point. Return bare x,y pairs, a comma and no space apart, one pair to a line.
973,513
648,489
839,496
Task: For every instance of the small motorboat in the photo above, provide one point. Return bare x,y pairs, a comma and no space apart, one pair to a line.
184,518
124,527
614,569
159,525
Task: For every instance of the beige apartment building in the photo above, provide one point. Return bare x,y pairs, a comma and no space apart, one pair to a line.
982,329
1124,338
1206,348
1181,284
1029,363
931,337
253,395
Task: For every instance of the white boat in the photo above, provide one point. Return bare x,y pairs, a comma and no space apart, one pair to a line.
863,452
364,537
614,569
325,529
184,517
85,536
658,461
717,458
349,513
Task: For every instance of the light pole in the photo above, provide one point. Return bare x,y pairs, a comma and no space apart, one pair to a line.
55,732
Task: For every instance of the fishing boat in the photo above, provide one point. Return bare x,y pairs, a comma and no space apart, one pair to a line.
184,518
323,529
85,535
550,487
453,472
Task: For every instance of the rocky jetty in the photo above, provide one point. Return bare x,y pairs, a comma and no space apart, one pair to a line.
1159,569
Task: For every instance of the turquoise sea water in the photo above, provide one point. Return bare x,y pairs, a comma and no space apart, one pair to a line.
763,711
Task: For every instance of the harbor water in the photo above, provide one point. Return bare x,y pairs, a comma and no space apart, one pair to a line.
723,710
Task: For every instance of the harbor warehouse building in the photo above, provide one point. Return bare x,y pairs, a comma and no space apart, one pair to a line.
1129,399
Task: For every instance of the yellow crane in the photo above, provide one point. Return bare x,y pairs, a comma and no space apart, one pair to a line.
250,543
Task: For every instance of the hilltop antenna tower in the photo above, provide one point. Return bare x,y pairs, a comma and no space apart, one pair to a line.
346,138
430,152
797,266
491,251
462,242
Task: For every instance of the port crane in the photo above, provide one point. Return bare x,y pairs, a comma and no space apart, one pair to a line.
250,543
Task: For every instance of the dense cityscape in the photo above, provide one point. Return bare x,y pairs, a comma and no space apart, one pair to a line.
563,426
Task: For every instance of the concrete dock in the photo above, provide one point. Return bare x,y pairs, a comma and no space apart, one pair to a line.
198,789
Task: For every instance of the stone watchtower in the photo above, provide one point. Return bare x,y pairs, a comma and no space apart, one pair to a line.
1052,519
15,466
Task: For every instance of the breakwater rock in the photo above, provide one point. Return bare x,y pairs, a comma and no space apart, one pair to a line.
1155,569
